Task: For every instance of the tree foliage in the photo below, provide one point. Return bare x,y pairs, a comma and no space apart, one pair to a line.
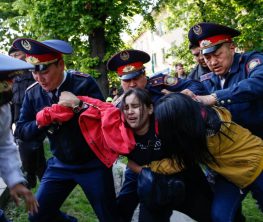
244,15
93,27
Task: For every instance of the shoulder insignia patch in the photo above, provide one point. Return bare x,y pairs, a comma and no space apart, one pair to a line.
156,81
77,73
31,86
206,76
170,81
252,64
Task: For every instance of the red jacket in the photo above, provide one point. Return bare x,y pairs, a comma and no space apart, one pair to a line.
101,124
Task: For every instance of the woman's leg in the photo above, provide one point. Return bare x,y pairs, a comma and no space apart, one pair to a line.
227,199
257,191
127,199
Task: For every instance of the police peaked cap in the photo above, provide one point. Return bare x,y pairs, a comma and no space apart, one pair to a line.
128,63
9,65
210,36
30,46
12,49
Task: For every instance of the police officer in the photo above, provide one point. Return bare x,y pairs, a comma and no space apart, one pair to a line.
73,162
10,163
31,152
236,79
235,83
129,66
201,67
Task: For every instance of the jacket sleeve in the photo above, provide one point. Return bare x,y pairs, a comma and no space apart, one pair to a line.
26,127
165,166
9,156
247,89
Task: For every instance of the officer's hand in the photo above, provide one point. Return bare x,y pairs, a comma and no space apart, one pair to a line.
165,91
206,100
19,190
68,99
188,92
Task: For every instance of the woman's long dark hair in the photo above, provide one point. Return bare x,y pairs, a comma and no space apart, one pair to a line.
182,129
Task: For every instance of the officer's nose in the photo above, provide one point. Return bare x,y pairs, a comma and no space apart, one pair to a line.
214,61
132,83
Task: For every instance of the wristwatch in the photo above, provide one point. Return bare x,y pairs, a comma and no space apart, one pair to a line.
78,108
215,96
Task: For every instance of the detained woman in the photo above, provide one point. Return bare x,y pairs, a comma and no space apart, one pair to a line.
137,108
208,136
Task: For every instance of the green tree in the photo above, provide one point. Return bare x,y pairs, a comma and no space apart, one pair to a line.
244,15
93,27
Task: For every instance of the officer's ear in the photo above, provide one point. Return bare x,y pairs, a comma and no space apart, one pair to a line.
61,63
232,47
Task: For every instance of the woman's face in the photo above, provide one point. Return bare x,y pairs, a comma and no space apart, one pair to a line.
137,115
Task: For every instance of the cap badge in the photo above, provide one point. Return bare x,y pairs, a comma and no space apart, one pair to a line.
32,60
26,45
169,80
128,68
124,56
197,29
205,43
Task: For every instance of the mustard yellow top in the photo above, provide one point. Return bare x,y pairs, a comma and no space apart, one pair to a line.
240,159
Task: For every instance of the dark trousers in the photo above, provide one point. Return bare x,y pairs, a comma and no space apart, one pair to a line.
197,203
60,179
33,160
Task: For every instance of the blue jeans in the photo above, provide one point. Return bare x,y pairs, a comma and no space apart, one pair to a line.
197,202
228,197
60,179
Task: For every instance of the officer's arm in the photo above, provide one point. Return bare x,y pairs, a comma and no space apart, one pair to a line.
244,91
26,128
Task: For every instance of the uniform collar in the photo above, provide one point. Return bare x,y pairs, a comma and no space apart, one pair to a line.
235,65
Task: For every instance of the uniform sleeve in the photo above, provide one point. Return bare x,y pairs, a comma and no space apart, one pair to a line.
92,89
9,156
247,89
195,86
26,128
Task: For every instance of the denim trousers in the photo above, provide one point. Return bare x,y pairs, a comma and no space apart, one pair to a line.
197,203
228,197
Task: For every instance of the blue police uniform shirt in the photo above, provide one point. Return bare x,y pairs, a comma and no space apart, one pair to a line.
159,82
242,92
67,142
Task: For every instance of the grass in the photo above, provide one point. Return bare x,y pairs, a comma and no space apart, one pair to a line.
78,206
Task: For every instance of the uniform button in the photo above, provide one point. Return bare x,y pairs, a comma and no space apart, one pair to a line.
229,100
222,102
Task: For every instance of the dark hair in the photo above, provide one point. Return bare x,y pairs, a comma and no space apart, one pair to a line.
182,129
142,95
179,64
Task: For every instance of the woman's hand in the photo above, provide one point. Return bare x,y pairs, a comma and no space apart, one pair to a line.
134,166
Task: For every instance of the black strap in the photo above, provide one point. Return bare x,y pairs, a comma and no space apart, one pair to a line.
54,96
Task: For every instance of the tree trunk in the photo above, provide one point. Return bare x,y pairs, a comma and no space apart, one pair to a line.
98,49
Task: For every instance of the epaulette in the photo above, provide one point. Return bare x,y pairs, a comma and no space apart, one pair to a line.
77,73
252,64
206,76
163,80
118,100
31,86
